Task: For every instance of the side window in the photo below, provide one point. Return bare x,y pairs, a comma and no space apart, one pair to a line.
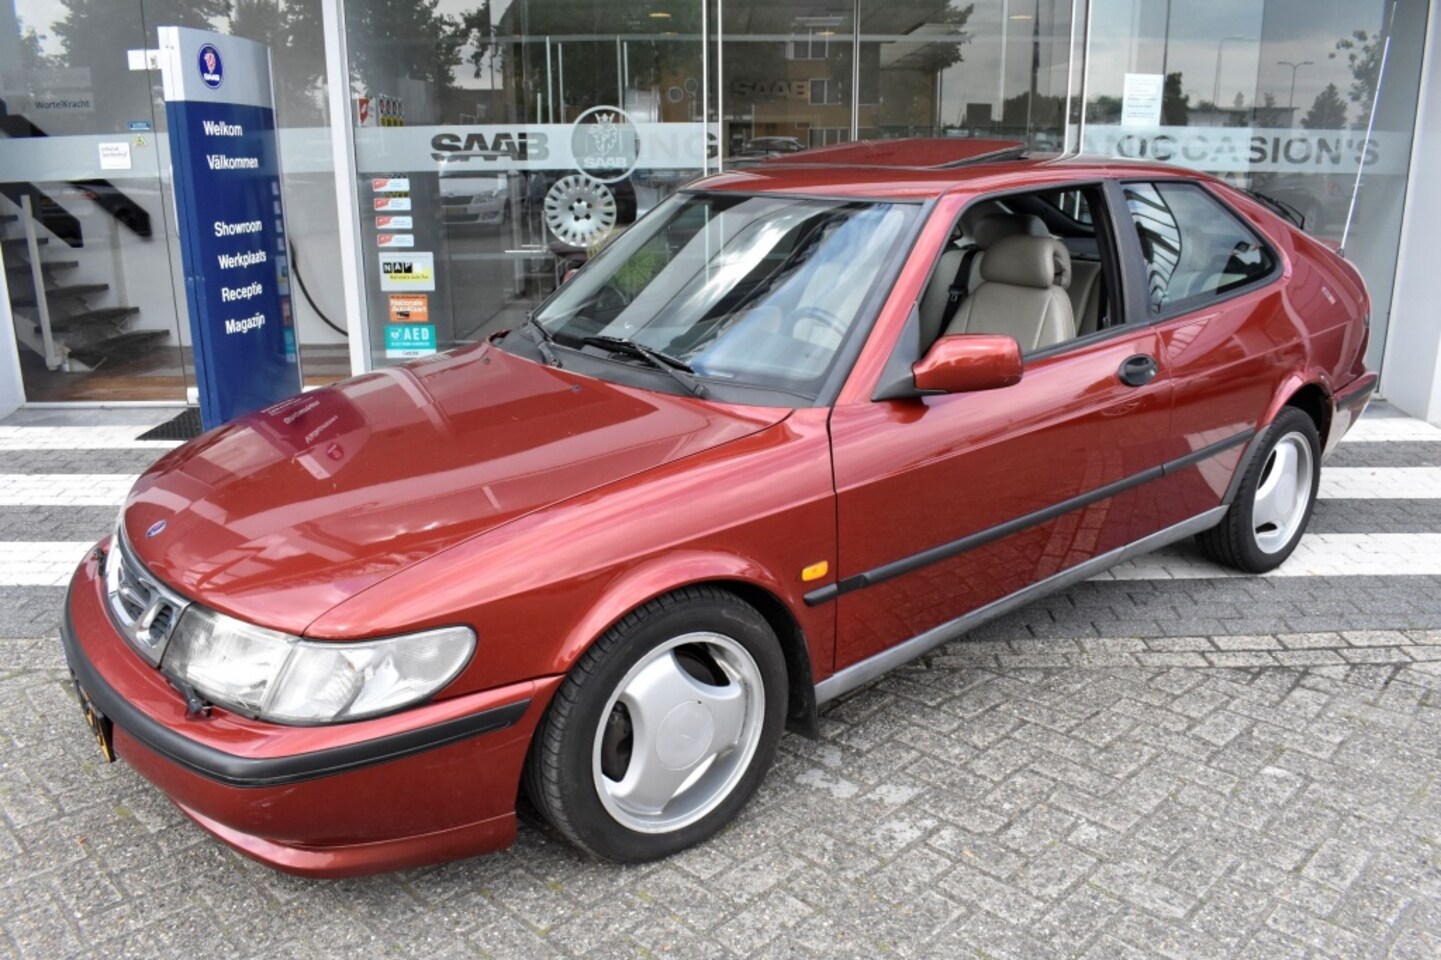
1195,249
1003,271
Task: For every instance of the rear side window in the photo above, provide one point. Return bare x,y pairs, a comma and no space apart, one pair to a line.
1196,251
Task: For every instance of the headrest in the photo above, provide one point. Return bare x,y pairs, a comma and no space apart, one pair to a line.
995,226
1027,262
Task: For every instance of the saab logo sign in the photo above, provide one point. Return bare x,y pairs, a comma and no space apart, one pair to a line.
771,89
212,71
605,141
503,145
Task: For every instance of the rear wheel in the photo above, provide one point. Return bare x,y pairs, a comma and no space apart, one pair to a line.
663,729
1273,504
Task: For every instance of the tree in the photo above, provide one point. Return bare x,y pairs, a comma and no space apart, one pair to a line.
394,40
33,60
1328,111
96,33
293,33
1175,105
1363,55
1107,109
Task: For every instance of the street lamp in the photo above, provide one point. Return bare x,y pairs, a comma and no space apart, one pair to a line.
1291,101
1216,87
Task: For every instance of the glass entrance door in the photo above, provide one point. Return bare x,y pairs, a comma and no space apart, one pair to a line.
98,297
82,209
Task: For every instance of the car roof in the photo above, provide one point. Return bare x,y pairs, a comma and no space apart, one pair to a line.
922,168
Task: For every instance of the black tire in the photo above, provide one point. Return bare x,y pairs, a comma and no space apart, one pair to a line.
560,774
1233,542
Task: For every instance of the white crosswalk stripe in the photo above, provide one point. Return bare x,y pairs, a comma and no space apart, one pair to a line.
109,489
79,438
1380,483
1379,429
1317,555
64,489
50,563
39,564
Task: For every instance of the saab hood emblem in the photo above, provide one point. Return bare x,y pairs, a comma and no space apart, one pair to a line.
155,529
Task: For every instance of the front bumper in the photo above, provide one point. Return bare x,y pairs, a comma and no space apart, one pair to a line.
431,783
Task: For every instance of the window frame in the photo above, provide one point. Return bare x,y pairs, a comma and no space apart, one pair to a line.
1200,301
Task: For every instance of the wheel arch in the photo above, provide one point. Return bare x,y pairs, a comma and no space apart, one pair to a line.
1312,397
744,579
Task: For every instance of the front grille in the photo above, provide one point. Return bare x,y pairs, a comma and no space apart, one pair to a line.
143,609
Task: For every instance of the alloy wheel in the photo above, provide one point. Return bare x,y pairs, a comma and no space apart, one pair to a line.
1284,493
579,210
679,732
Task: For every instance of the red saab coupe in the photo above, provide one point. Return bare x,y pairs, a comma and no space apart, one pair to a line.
798,425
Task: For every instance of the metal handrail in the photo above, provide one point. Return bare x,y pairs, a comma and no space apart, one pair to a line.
53,359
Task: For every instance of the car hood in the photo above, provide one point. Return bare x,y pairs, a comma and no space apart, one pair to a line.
282,514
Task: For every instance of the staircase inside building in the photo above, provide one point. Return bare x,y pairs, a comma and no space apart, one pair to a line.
86,331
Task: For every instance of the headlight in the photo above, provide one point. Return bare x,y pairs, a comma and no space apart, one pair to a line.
276,676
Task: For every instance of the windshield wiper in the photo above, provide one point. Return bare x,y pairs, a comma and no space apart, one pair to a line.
542,341
678,369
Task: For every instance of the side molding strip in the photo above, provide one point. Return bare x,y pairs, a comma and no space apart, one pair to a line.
945,551
859,674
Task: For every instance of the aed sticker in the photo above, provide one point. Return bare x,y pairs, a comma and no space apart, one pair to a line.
390,184
395,240
402,272
409,308
409,340
392,203
394,223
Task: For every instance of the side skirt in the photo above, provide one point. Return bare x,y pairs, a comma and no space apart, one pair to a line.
873,667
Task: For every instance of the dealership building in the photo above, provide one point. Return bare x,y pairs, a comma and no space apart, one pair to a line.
444,163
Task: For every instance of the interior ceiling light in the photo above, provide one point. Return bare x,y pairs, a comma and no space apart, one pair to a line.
1014,16
659,15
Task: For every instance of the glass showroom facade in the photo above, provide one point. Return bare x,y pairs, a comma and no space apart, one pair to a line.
476,152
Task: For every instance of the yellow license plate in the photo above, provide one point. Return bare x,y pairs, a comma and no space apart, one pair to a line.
98,723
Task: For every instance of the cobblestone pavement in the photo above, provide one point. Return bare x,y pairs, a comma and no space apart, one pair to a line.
1176,765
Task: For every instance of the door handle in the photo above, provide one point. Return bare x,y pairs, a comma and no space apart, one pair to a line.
1138,371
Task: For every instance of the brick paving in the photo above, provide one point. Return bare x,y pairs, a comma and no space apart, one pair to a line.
1152,768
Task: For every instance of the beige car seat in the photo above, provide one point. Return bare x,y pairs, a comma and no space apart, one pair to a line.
1022,294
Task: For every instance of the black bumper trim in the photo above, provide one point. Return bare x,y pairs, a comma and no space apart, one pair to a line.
237,771
1350,395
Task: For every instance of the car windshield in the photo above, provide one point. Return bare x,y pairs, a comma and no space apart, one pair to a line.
750,291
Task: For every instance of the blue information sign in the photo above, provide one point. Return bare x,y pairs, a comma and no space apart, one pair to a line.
220,110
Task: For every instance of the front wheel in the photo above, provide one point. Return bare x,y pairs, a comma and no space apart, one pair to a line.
664,728
1273,504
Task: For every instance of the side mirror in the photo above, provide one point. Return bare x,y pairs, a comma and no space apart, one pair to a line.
969,362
